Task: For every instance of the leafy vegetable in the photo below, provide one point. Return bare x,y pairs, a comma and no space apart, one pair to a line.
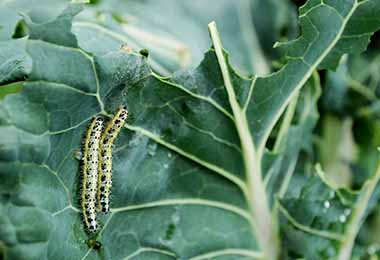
209,165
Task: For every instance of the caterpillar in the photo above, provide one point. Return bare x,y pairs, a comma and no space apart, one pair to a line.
90,173
105,165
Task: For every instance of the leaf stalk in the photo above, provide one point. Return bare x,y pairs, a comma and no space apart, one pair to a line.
265,225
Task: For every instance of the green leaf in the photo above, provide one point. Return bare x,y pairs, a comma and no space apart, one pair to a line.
15,62
322,25
57,31
365,202
188,176
11,13
314,220
294,136
357,32
322,221
182,44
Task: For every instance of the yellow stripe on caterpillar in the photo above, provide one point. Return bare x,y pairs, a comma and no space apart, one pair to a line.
90,173
105,158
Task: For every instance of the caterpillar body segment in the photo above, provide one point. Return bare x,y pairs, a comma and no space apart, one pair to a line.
90,173
105,160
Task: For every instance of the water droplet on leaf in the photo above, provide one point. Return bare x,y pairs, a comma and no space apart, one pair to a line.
152,149
78,154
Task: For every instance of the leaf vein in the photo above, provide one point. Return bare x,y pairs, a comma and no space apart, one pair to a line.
150,249
206,132
306,229
190,201
204,98
229,251
228,175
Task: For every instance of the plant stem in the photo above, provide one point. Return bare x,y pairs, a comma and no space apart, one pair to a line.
288,117
358,215
265,226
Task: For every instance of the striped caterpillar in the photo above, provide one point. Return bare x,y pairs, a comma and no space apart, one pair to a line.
90,173
105,160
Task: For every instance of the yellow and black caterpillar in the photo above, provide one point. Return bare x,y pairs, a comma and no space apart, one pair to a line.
97,167
105,158
90,173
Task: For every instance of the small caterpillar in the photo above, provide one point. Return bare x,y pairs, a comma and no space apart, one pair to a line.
105,165
90,173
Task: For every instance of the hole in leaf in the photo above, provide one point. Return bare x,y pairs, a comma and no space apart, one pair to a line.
21,30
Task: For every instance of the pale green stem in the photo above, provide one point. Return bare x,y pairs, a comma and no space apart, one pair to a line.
284,128
265,227
358,216
361,89
287,121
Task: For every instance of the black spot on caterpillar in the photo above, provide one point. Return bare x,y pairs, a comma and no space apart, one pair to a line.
105,160
90,173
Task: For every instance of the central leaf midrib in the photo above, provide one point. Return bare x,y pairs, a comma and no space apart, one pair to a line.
264,226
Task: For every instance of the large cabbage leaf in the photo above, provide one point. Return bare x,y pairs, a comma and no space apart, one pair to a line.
188,168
